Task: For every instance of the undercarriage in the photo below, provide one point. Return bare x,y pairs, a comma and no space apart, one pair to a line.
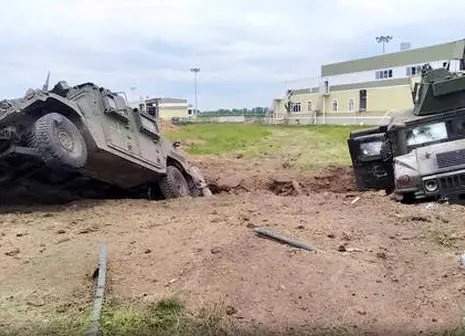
24,178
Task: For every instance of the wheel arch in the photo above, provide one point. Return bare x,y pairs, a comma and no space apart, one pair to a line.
171,161
54,104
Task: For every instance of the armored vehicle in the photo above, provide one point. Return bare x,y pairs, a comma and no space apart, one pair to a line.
85,141
420,153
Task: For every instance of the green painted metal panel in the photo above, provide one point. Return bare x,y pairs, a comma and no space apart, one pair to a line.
301,91
446,51
372,84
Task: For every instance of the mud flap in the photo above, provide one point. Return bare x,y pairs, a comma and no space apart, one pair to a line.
372,161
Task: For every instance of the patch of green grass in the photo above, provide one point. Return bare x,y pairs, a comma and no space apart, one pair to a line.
219,138
59,324
314,147
168,317
306,147
165,317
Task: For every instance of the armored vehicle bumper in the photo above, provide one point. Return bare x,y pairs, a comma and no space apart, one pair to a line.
8,148
450,186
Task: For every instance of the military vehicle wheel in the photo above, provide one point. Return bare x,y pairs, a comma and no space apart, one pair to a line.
59,142
174,184
408,198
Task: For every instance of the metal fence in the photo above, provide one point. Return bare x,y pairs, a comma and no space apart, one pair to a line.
332,120
309,120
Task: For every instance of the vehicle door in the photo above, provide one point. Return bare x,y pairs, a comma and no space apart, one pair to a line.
371,156
119,126
148,131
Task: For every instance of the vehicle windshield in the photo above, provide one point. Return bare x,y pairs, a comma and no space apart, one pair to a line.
426,133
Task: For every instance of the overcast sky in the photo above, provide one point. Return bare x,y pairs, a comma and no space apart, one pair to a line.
246,50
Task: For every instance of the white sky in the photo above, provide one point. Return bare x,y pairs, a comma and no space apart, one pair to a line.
246,50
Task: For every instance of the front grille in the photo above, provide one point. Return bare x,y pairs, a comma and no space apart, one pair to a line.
452,182
451,159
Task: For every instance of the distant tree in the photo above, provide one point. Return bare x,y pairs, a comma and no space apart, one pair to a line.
255,111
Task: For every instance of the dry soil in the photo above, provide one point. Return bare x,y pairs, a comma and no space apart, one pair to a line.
377,265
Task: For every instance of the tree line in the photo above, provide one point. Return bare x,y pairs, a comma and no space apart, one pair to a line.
256,111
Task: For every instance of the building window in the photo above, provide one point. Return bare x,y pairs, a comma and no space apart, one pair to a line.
351,105
309,106
383,74
334,106
326,87
413,70
296,107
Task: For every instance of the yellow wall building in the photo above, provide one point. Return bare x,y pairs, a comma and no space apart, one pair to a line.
168,108
366,89
165,108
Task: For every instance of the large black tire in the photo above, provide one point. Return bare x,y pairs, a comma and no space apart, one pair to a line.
59,142
174,184
408,198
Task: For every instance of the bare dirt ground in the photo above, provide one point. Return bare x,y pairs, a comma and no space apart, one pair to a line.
378,265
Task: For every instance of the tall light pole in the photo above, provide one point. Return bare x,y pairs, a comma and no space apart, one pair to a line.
195,71
133,89
383,39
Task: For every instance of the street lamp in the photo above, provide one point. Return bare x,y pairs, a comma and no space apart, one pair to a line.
383,39
195,71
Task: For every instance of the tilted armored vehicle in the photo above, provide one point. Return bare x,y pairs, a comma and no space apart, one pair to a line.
420,153
85,141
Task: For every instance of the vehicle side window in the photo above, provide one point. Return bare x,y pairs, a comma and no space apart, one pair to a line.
457,128
146,121
152,110
111,103
148,125
114,106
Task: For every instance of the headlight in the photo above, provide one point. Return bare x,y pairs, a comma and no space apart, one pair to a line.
431,185
404,180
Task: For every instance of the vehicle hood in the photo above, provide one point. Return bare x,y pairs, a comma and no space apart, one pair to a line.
32,99
442,157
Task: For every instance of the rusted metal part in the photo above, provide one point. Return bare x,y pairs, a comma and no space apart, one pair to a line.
94,329
294,243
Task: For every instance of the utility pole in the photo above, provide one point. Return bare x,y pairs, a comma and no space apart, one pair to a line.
195,71
383,39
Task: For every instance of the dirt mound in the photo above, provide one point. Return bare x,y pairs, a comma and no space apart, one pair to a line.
166,126
289,183
335,179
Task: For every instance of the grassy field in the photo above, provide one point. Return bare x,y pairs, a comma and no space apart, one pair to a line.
310,147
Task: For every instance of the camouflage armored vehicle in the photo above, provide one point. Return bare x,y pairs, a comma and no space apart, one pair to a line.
85,141
420,153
